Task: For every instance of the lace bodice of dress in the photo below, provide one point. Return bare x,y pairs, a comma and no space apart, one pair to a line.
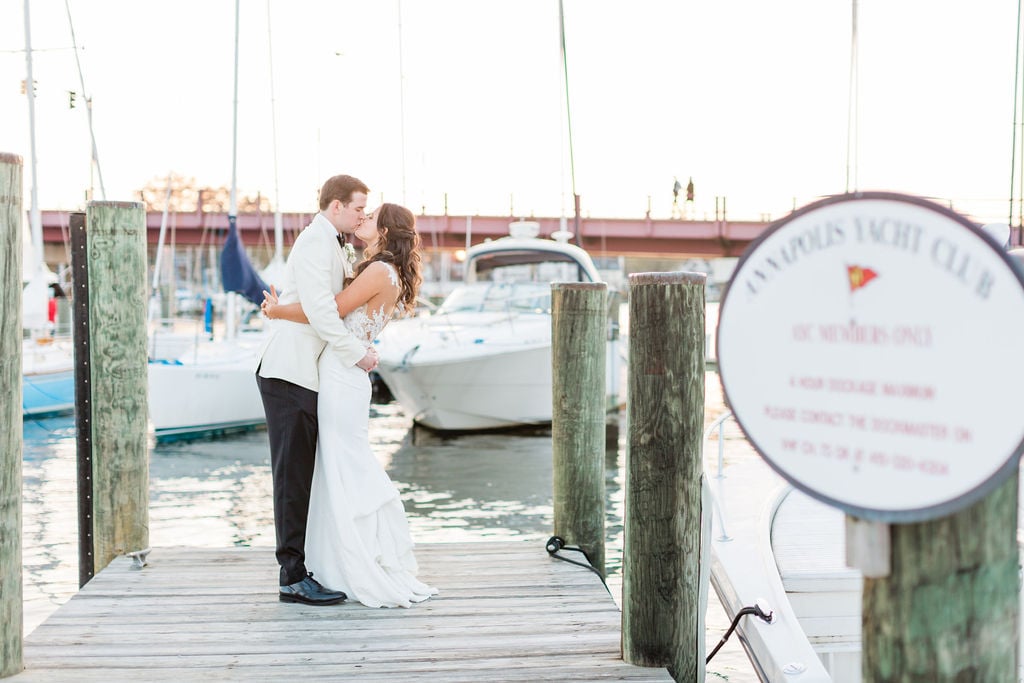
367,325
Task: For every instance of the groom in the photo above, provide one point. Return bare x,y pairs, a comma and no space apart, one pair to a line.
288,378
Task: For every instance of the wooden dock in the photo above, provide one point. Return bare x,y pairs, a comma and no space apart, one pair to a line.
506,612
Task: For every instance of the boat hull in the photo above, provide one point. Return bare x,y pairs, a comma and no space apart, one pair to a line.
746,496
466,386
208,397
497,391
48,394
48,377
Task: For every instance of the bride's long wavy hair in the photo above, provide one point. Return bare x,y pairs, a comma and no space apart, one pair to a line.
399,245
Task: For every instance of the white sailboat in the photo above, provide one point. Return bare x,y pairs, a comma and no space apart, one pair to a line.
211,389
47,364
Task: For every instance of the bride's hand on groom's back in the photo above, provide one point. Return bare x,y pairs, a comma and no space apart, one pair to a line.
369,361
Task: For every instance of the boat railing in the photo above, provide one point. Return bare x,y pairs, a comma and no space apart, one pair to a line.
47,353
718,500
404,365
170,339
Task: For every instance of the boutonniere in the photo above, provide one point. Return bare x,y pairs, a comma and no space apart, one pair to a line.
350,252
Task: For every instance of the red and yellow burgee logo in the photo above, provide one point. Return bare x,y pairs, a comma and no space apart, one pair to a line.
859,276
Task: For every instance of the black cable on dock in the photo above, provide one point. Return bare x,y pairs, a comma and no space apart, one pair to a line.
557,543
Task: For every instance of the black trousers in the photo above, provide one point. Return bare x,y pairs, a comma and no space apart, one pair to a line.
292,428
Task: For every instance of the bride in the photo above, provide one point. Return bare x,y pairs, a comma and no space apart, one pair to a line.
357,535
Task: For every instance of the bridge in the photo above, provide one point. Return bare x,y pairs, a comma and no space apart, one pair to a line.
644,236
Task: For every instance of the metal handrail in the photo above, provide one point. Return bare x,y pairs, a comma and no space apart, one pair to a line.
719,424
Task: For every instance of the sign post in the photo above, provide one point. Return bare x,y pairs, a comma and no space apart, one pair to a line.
864,346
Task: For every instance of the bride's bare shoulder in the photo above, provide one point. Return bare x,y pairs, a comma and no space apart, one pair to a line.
382,271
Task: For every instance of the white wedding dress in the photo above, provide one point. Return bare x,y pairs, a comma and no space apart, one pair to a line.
357,535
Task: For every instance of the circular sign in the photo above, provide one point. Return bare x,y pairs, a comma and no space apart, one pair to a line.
867,346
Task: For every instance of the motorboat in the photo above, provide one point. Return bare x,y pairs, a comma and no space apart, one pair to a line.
775,547
483,359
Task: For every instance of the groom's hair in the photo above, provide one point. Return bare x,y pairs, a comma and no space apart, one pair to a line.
340,187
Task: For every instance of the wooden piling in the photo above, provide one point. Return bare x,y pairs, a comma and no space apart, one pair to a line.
116,261
578,350
11,616
948,611
662,618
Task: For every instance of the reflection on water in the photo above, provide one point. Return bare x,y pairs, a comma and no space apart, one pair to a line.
485,487
217,493
214,493
49,517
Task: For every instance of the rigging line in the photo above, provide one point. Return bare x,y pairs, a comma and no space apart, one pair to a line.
852,123
38,49
88,102
568,117
65,236
568,112
158,259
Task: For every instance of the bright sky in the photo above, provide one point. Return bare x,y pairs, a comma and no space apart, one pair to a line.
749,97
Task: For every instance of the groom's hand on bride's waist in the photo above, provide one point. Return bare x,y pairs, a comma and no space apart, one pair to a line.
369,361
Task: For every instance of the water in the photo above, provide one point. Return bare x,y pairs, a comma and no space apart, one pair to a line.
217,493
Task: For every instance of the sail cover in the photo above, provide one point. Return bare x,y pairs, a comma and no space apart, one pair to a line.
237,271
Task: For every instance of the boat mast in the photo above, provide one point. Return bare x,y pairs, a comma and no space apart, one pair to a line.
853,105
233,209
238,277
35,219
1013,144
401,99
278,227
229,314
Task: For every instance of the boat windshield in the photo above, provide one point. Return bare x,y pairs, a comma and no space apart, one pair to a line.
526,266
499,297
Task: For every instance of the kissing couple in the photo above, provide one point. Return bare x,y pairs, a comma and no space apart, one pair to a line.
337,515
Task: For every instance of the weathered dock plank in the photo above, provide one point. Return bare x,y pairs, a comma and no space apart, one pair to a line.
506,612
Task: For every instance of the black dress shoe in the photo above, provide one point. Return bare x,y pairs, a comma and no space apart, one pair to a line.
310,592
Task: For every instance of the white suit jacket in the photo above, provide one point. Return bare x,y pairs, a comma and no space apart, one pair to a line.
314,273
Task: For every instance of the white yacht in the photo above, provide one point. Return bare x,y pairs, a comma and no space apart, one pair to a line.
483,359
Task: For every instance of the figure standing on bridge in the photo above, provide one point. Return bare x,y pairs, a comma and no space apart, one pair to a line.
676,213
689,198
